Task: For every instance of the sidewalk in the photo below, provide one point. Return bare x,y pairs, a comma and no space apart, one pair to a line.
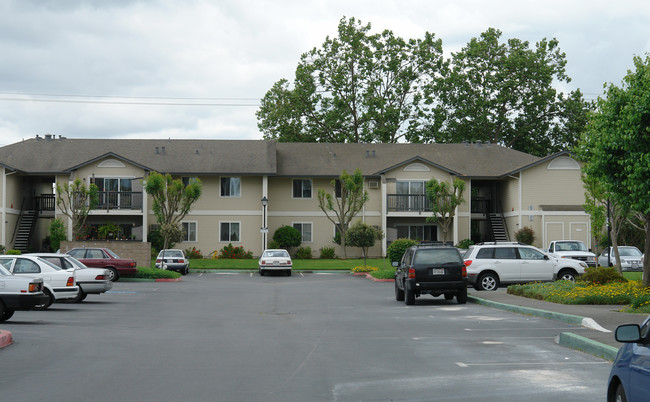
595,324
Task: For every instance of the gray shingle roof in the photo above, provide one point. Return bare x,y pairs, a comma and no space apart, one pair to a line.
260,157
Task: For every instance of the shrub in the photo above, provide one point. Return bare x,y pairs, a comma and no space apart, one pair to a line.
193,253
303,253
273,244
327,253
601,275
287,237
155,273
14,252
232,252
525,235
158,242
57,233
2,249
465,243
397,248
383,274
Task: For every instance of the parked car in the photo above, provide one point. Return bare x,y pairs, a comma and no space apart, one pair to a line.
90,280
19,293
98,257
434,270
631,258
173,260
629,379
573,249
492,264
275,260
58,284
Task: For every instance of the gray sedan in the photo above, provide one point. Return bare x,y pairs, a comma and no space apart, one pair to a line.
173,260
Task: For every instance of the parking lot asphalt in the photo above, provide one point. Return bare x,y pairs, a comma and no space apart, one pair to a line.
599,320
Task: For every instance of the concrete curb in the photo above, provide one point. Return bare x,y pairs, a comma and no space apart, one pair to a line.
567,339
5,338
586,345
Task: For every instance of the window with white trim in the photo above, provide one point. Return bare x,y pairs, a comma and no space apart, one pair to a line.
189,231
302,188
305,231
230,187
229,231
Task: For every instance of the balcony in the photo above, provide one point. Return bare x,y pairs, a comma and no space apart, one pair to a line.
119,200
408,203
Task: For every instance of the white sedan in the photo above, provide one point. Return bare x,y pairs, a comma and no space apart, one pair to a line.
275,260
58,284
90,280
631,258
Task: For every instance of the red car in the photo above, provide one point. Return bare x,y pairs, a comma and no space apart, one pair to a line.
95,257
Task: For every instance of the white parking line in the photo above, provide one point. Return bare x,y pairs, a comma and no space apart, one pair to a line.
564,363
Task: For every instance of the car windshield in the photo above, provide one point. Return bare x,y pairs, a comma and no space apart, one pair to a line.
46,262
629,251
77,264
570,246
111,253
437,256
171,254
276,254
4,271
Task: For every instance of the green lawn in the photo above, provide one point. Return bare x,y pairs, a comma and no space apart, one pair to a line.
310,264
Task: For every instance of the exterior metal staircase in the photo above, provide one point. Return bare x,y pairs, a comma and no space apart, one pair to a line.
498,227
24,230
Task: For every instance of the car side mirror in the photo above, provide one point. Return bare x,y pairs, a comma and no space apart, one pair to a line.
628,333
546,257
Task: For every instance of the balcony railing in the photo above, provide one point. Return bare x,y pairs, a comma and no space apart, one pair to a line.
129,200
408,203
45,203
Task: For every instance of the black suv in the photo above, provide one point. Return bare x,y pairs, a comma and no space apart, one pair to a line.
430,270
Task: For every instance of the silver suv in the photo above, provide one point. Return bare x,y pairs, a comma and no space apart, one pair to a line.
492,264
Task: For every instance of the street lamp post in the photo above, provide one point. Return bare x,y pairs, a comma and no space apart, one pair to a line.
265,229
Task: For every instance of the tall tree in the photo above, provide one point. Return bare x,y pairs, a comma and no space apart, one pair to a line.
344,207
504,93
172,200
75,200
358,87
444,198
616,146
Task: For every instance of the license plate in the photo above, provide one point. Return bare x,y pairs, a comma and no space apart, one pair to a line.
276,263
437,271
635,264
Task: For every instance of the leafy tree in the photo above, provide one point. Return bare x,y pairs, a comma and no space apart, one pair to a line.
358,87
287,236
595,205
504,93
75,200
344,208
172,200
616,146
57,233
363,236
444,198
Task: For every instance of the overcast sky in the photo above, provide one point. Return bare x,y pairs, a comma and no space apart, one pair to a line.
102,69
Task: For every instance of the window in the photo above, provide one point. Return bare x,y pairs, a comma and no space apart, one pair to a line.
305,231
114,192
505,253
530,254
411,195
189,231
23,266
187,180
337,188
417,232
485,253
229,231
301,188
230,187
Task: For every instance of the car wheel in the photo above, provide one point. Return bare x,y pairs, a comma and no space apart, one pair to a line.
567,275
461,296
288,272
49,302
399,293
488,281
409,297
7,314
620,394
449,296
80,297
112,274
261,272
